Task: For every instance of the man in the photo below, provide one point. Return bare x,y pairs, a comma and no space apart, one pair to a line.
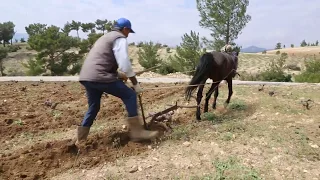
226,48
100,74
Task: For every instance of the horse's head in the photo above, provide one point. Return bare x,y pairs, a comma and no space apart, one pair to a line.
235,53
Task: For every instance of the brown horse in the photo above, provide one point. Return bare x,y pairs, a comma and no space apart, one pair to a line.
217,66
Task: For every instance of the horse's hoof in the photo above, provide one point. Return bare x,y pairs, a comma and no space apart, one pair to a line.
196,120
225,105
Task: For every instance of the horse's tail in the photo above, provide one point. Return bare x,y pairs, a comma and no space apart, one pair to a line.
206,63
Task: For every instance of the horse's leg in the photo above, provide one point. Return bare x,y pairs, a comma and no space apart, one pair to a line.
213,88
208,96
230,91
216,93
199,97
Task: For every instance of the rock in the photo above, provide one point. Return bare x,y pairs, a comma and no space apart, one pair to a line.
314,145
133,169
187,143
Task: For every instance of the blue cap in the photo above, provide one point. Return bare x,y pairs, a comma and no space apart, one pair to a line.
123,22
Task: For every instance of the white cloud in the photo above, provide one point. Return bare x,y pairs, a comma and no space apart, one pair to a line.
167,20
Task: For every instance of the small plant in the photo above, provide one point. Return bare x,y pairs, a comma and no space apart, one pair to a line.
238,105
278,52
22,40
19,122
168,50
180,132
140,44
232,169
56,114
211,117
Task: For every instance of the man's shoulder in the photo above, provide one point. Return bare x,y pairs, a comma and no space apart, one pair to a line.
115,33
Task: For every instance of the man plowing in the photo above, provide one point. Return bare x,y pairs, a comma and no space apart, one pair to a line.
103,70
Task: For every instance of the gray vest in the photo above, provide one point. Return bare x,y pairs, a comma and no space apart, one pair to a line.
100,64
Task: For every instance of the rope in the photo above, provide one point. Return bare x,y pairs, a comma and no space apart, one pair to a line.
167,87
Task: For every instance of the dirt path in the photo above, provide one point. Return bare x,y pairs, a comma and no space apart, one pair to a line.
143,80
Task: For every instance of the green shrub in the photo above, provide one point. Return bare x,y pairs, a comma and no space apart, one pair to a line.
148,55
293,67
13,48
274,72
168,50
165,68
311,74
140,44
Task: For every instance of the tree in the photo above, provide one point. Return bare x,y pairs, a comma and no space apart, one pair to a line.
188,53
284,46
101,24
303,43
67,28
51,45
87,44
86,27
75,25
35,29
224,18
292,45
317,43
3,54
278,46
6,32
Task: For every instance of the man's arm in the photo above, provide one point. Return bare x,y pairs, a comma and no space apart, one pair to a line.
120,49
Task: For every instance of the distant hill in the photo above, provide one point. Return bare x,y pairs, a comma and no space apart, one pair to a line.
18,36
253,49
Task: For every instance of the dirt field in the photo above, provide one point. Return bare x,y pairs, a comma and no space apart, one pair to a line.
266,134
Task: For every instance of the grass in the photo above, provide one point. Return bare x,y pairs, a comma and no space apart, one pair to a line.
229,168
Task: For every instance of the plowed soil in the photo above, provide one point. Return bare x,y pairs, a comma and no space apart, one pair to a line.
38,108
263,134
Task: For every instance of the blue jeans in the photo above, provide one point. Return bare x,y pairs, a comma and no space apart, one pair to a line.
94,91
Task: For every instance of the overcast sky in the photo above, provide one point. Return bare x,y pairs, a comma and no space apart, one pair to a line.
165,21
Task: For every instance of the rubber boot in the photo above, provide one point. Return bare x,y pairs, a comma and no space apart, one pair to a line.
82,134
137,131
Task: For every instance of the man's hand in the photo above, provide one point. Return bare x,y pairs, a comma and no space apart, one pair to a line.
137,88
122,76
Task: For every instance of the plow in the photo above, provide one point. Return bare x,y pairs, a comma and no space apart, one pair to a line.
162,118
